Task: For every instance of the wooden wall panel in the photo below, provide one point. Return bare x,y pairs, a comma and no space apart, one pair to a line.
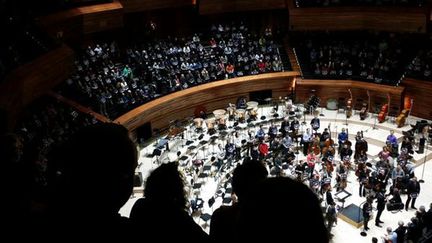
421,92
146,5
225,6
31,80
101,17
335,89
215,95
355,18
72,24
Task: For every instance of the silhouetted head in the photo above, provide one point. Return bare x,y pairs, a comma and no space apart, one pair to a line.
246,176
165,185
281,209
94,170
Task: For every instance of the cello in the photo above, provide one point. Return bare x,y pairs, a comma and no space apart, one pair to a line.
384,110
349,105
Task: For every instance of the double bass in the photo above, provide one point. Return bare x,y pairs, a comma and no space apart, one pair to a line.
384,110
328,148
400,120
365,108
349,105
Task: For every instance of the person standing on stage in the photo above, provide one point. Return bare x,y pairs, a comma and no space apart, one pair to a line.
392,140
311,159
331,217
287,143
260,133
220,156
238,145
272,132
342,138
295,125
285,127
367,212
413,192
306,140
315,124
324,136
381,202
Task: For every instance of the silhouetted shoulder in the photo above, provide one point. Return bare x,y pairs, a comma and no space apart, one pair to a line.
282,209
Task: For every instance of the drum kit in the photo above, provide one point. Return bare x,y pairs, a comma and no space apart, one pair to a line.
210,123
231,112
241,115
252,108
198,124
220,116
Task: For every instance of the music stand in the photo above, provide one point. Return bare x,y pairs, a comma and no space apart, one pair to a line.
342,195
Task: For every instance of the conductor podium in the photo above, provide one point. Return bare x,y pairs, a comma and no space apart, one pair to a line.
352,214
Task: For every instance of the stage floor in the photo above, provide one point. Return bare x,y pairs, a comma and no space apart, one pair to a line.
375,133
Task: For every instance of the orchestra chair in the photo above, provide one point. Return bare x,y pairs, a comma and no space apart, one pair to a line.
205,217
211,202
156,153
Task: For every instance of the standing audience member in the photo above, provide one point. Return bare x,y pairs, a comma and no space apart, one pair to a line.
224,220
91,178
282,209
163,212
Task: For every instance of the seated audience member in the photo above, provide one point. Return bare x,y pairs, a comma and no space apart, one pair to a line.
162,214
282,209
92,178
245,177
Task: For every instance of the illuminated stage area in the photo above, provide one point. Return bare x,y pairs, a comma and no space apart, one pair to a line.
193,148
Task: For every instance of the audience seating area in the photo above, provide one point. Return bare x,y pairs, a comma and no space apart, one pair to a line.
113,81
372,57
421,65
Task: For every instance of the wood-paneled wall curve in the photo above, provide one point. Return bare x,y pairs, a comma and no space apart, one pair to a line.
212,96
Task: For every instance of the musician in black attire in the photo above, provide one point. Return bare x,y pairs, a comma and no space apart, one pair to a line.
367,212
285,127
315,124
381,202
345,151
272,132
406,143
360,145
413,192
324,135
295,125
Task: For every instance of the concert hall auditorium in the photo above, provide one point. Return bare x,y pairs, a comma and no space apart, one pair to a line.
279,120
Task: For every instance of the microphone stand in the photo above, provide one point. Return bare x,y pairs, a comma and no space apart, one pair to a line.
424,161
363,232
374,125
